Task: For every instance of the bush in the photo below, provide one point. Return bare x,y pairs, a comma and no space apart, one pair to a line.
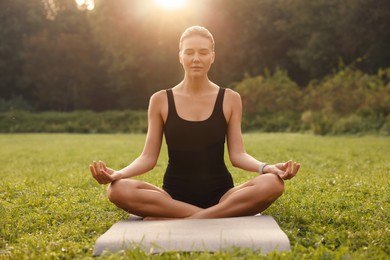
348,102
385,129
74,122
271,103
352,124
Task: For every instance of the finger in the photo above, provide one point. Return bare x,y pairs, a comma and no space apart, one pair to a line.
107,170
296,167
293,168
100,173
107,178
284,175
95,174
104,166
92,169
104,174
290,166
285,166
289,173
101,165
103,169
96,165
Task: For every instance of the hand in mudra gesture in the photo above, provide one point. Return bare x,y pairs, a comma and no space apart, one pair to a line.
102,174
285,170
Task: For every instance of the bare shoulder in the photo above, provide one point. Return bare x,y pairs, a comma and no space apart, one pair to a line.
158,99
230,93
158,96
158,104
232,98
232,106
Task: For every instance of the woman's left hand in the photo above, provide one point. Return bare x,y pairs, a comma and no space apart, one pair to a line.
285,170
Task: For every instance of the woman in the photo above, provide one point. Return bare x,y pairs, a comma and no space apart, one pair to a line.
196,117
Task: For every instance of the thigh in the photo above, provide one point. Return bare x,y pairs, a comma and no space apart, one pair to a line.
128,185
261,178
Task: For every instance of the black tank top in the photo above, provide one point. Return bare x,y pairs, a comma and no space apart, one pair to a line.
196,171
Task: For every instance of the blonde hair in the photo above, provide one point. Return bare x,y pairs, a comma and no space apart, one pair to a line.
197,30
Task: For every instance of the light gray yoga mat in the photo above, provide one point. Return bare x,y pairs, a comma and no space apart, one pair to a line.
255,232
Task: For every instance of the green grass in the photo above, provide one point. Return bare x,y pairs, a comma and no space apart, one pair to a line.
338,207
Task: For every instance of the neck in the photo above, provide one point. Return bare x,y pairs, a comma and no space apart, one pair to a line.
196,84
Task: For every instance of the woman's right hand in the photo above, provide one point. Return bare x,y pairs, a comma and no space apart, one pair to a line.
103,174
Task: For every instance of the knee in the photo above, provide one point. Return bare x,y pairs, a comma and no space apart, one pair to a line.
117,189
113,191
278,185
274,185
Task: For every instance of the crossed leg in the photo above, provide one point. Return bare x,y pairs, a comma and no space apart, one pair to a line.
249,198
145,200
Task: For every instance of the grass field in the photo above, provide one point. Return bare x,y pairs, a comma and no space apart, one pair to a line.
338,207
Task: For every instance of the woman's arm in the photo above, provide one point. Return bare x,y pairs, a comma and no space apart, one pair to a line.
149,156
237,154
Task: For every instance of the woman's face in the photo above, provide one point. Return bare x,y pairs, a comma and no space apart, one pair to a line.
196,55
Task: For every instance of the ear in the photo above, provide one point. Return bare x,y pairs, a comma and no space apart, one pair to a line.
180,60
212,57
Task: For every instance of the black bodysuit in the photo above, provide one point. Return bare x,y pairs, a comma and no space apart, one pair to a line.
196,171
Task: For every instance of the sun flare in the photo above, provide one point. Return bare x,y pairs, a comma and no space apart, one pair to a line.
86,4
171,4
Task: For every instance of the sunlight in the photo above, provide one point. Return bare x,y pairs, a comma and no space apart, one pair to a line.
86,4
171,4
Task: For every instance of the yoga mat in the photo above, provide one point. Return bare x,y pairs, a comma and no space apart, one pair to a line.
259,232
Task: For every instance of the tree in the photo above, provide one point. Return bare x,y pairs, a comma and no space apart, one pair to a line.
16,23
62,64
124,50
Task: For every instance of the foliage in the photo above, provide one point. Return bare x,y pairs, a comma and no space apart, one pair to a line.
76,122
347,102
15,103
16,23
114,57
271,103
57,88
336,208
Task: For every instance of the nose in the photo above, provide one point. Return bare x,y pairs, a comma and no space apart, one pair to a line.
196,58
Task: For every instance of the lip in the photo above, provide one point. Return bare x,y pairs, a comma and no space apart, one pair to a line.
196,68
